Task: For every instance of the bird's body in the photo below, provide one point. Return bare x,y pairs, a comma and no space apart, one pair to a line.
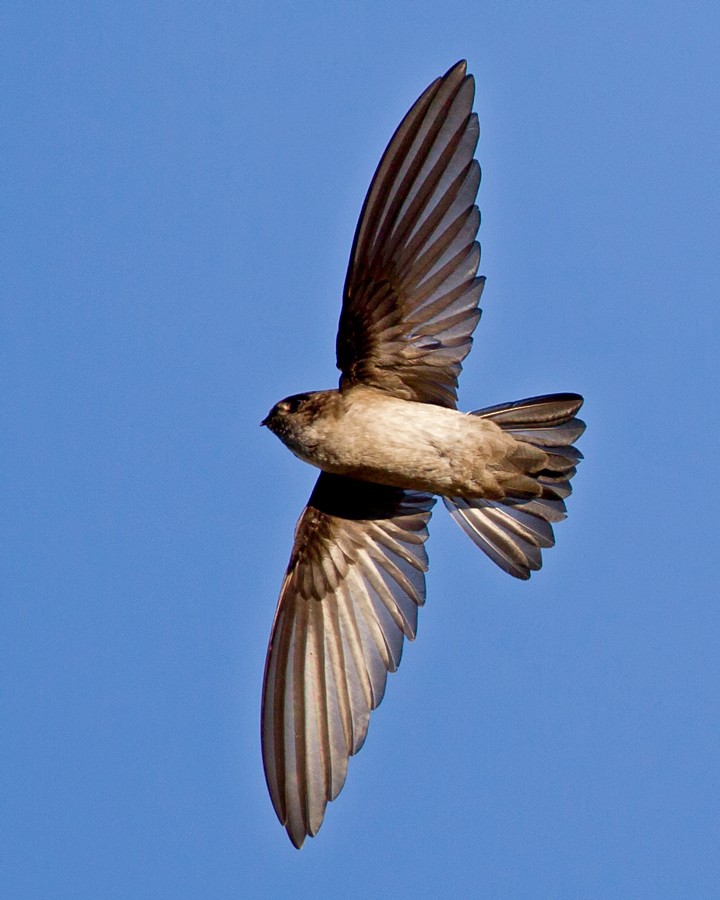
368,434
389,440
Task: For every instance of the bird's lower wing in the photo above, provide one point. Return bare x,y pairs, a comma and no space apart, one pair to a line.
350,594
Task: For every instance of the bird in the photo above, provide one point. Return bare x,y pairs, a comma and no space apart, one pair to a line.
390,440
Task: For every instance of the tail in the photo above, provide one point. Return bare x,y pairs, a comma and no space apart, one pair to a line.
513,530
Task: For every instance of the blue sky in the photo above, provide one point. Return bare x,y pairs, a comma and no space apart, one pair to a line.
181,186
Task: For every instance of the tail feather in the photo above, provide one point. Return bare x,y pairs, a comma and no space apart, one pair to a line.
513,530
558,484
535,412
494,535
561,459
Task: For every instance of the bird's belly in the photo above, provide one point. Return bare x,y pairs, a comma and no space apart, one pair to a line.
411,445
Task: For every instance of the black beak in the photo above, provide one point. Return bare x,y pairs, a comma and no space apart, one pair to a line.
264,421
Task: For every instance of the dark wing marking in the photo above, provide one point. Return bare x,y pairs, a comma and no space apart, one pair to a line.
411,293
351,592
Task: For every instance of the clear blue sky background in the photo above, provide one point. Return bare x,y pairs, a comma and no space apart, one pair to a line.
181,186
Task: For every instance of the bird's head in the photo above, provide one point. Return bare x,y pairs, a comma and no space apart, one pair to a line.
277,419
298,420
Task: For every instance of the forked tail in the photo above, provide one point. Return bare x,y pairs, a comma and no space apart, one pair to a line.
512,531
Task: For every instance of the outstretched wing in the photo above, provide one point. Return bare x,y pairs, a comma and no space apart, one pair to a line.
411,294
350,594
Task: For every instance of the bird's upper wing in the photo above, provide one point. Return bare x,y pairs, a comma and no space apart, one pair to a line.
411,291
350,593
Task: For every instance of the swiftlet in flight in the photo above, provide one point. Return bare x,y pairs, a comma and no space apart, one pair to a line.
387,441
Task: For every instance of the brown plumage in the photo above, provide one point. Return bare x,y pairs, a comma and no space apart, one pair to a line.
387,442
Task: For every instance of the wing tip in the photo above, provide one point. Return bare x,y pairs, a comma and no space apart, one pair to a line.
460,67
297,840
458,71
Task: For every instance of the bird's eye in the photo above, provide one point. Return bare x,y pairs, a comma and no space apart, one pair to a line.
290,404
